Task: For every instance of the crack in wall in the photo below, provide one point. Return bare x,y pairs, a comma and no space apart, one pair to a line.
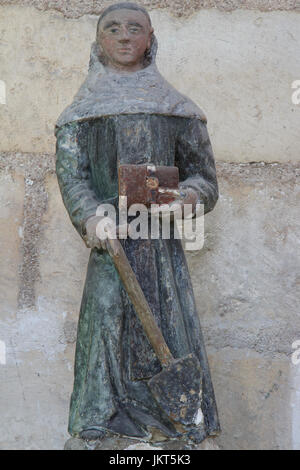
35,204
34,168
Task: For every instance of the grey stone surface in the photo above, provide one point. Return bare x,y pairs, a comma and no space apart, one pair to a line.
77,8
248,268
257,399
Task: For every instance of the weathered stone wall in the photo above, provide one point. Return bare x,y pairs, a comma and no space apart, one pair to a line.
238,66
179,8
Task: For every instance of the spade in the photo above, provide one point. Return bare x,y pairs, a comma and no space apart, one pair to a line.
177,388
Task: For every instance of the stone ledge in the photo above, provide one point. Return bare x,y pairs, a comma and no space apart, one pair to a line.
39,164
179,8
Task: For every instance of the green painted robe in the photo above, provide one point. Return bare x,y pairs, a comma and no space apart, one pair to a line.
113,356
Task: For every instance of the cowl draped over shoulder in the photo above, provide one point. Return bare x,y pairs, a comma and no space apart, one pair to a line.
108,93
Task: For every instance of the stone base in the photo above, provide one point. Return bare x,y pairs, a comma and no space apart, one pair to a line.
120,443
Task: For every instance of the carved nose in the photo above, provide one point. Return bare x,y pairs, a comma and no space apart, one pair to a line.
124,35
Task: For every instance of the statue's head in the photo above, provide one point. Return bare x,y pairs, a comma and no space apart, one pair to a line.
124,37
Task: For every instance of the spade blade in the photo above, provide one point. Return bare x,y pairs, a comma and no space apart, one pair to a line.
177,389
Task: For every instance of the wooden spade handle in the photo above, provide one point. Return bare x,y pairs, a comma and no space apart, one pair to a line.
139,302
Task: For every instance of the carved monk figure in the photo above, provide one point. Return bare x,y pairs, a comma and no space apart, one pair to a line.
127,113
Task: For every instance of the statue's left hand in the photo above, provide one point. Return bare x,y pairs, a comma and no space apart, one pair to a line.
183,205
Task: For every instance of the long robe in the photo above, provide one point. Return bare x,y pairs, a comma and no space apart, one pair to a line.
113,356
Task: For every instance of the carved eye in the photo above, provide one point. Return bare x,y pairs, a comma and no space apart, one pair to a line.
134,30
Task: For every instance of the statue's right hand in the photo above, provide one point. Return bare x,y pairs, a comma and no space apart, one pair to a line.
98,229
90,237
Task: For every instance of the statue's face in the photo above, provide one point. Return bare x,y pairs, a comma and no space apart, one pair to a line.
124,36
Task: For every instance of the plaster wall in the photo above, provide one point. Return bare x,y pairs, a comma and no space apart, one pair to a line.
238,66
237,60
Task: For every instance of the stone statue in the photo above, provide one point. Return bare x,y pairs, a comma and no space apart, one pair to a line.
126,112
